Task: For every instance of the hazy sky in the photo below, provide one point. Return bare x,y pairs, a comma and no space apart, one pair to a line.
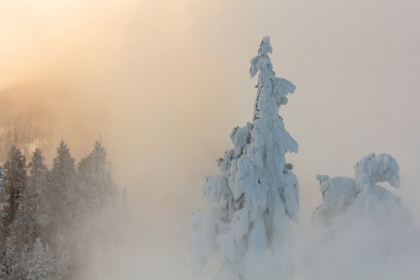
166,81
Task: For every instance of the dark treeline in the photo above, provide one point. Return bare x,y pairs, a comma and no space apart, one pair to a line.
53,222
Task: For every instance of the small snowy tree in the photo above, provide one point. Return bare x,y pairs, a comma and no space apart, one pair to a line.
40,263
9,258
246,223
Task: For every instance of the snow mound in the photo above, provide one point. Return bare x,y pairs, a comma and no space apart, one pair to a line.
362,196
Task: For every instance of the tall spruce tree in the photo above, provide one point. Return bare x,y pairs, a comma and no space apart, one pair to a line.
39,182
97,183
15,182
97,209
246,222
63,189
34,210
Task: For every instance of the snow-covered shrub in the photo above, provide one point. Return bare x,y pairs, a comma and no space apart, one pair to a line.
361,195
369,233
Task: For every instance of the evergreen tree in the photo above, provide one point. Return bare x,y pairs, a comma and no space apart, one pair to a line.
97,183
98,207
15,181
34,210
63,190
63,194
9,258
249,207
39,182
40,263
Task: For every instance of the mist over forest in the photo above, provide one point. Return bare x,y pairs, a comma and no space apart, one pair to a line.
152,107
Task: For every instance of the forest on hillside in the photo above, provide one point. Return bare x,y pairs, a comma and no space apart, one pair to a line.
54,221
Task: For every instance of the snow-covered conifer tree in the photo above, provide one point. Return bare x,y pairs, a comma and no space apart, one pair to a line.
97,181
9,258
98,208
246,223
64,195
100,194
34,209
15,181
63,189
40,263
39,185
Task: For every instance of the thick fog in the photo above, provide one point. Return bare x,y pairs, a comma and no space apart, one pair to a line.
163,83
